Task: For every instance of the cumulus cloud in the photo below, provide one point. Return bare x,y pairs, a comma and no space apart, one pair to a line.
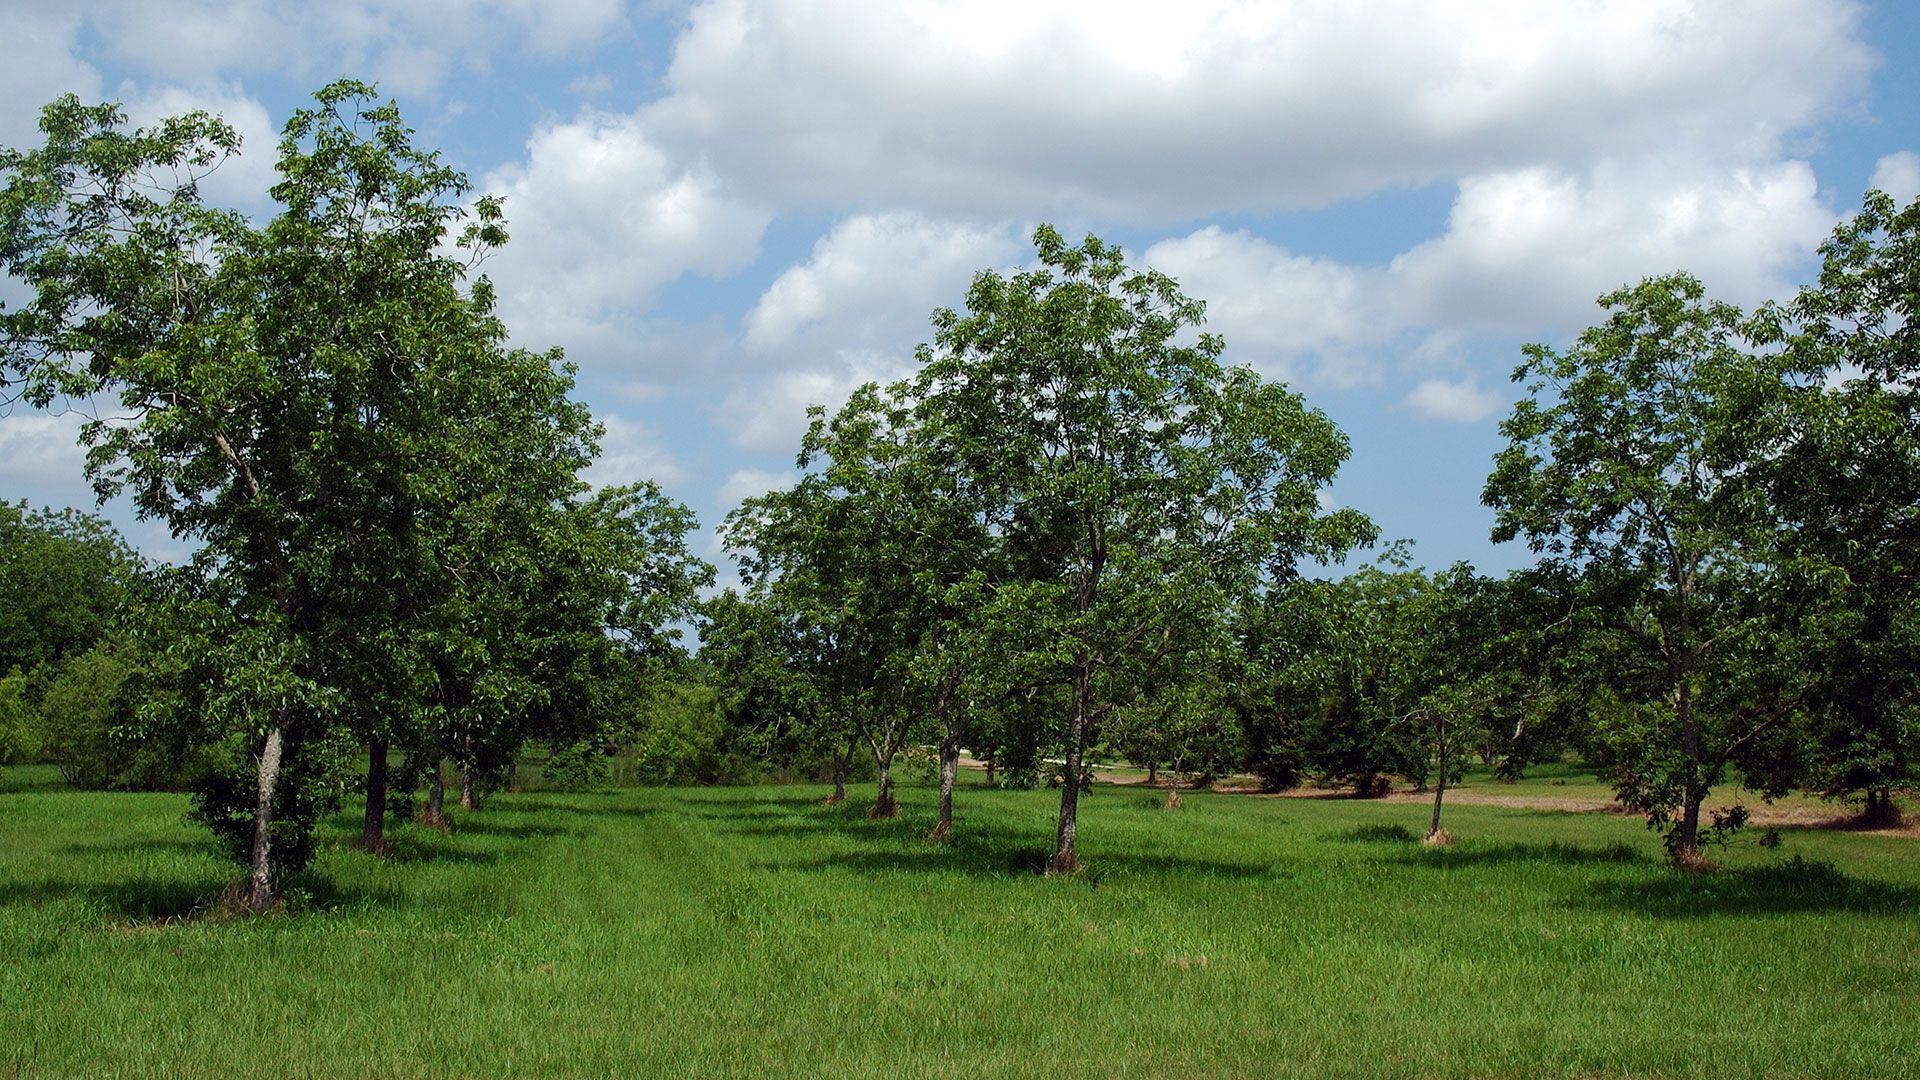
1523,253
630,452
744,484
601,218
1294,316
1462,402
1150,111
852,313
240,181
1898,175
41,452
872,281
769,414
39,67
1530,249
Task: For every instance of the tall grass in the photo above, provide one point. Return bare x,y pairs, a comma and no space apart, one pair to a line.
753,932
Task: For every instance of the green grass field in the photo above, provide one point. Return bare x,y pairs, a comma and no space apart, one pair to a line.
751,931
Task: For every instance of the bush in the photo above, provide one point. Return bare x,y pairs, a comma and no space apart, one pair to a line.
18,740
312,781
580,766
85,726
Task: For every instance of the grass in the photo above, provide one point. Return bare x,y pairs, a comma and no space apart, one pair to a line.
751,931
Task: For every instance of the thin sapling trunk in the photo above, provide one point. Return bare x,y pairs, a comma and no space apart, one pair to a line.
884,805
949,771
840,762
435,814
1435,834
373,826
1065,859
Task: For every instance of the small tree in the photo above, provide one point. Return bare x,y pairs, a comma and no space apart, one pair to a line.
1342,658
828,555
1631,461
1456,676
769,705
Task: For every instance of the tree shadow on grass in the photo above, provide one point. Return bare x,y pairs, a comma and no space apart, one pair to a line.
803,814
553,806
204,846
1398,834
160,901
467,823
1790,887
139,898
898,845
724,797
409,850
984,861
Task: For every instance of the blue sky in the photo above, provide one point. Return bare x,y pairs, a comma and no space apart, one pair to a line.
729,209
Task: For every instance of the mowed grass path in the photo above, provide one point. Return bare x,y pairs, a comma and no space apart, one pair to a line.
751,931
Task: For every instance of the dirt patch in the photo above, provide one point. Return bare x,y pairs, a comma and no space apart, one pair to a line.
1761,814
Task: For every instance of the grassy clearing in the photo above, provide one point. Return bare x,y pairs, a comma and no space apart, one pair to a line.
751,931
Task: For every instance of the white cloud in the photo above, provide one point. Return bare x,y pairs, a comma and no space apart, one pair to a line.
770,414
744,484
191,39
630,452
241,181
1152,111
601,218
1461,402
871,283
852,313
1293,316
39,66
41,452
42,461
1898,175
1524,254
1530,250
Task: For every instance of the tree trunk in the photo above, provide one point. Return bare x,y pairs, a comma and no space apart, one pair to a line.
260,883
468,801
1065,860
1881,811
1153,773
1686,846
989,771
373,826
949,771
840,762
1436,835
436,812
884,805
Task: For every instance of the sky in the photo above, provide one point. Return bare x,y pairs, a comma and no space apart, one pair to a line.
727,210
